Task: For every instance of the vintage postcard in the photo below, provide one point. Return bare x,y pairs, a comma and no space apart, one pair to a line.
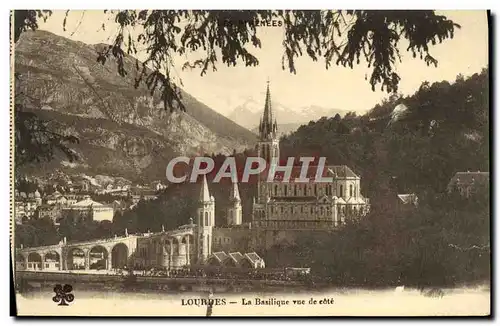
250,163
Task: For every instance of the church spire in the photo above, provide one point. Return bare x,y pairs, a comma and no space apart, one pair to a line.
235,193
204,193
268,125
268,111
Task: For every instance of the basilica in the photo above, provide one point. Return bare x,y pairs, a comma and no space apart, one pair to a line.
313,205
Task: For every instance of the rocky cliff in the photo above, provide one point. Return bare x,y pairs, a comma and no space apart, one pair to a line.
122,130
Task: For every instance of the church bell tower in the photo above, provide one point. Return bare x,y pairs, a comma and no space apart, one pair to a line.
268,143
206,222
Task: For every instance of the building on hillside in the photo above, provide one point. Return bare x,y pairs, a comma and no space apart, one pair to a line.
25,206
71,199
88,210
56,198
306,205
408,199
53,212
466,183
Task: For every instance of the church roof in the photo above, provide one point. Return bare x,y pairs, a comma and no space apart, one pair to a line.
355,200
407,198
221,256
86,203
335,171
236,257
253,257
340,200
294,199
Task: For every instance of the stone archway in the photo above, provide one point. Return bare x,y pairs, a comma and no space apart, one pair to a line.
188,239
52,261
119,256
76,258
175,246
20,261
98,258
34,261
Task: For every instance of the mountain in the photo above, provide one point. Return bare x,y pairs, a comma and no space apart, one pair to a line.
283,128
249,113
122,130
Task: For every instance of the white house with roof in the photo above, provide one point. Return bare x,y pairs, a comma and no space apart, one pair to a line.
468,182
90,210
235,259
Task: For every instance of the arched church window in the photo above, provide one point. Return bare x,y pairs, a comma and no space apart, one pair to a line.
295,190
206,218
341,191
350,191
286,190
275,190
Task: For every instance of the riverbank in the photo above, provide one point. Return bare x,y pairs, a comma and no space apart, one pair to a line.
27,281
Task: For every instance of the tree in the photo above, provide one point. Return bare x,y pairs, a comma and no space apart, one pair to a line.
336,37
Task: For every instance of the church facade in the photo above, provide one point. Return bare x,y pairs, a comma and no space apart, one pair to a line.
313,205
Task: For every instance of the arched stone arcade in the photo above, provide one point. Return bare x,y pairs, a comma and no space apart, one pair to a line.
98,258
34,261
76,259
52,261
21,261
119,256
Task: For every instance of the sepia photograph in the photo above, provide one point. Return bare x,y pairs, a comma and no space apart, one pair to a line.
223,163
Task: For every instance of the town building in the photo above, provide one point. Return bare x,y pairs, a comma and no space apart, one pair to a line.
88,210
25,205
467,183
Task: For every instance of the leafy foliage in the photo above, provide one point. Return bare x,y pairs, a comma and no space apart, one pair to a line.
340,37
445,129
36,142
24,20
443,242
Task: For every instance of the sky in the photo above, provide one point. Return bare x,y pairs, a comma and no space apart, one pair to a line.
338,87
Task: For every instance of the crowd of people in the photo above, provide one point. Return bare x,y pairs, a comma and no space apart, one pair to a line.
222,273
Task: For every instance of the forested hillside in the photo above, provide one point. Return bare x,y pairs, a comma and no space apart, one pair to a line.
406,144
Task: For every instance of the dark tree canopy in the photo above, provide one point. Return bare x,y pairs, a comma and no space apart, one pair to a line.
347,38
